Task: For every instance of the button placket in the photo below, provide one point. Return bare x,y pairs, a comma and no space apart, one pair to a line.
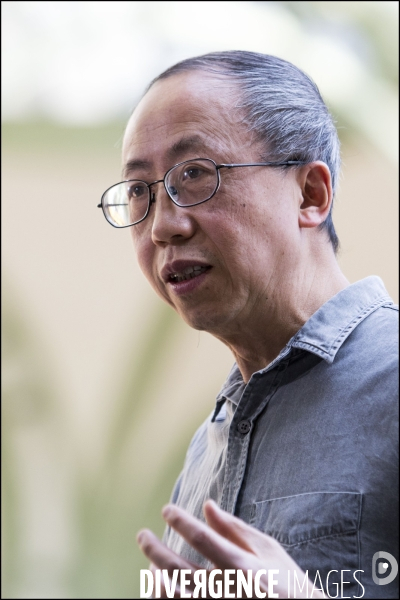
255,398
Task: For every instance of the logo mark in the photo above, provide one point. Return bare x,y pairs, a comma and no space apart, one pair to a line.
383,568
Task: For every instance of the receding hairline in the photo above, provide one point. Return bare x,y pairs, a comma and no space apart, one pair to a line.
232,85
214,73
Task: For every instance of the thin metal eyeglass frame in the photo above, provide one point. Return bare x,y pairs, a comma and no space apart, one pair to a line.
152,197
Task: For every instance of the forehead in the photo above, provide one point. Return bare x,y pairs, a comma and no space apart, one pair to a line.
185,115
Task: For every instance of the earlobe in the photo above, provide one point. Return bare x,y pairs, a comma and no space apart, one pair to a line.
316,189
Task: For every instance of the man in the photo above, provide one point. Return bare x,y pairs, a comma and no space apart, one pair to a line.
230,166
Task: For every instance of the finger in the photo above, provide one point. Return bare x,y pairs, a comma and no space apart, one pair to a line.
268,550
161,556
246,536
230,527
239,532
219,550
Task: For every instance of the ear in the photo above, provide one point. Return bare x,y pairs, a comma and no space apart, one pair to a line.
316,190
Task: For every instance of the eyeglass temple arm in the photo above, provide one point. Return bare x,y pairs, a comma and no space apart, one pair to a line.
261,164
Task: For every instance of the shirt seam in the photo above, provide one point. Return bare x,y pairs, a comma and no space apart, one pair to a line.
331,351
319,537
307,494
357,320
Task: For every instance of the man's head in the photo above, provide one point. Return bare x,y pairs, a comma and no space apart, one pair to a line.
281,105
247,243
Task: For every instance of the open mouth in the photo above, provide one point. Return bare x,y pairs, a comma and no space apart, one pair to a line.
187,273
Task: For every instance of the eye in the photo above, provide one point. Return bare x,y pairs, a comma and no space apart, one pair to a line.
192,172
137,190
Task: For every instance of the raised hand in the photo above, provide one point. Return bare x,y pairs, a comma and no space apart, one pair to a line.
231,545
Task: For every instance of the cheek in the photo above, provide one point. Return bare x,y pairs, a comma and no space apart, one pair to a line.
231,206
146,256
144,252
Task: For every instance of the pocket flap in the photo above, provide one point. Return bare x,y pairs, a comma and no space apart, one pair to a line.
296,519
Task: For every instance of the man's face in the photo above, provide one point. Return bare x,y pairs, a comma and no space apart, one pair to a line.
243,242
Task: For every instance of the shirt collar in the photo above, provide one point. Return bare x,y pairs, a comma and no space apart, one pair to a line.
328,328
325,331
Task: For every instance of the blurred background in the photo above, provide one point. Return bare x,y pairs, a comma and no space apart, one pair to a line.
103,386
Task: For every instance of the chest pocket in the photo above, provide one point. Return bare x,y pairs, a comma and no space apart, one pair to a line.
320,532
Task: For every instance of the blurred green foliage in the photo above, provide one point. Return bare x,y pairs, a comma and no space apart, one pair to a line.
368,26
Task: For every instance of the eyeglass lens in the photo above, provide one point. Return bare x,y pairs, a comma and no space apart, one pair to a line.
187,184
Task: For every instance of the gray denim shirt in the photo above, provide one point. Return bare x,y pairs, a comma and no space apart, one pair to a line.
307,450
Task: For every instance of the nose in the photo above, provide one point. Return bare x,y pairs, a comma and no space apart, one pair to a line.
171,224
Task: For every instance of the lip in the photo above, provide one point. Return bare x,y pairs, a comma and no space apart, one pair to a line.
178,266
187,285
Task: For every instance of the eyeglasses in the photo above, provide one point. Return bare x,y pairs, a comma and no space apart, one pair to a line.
188,183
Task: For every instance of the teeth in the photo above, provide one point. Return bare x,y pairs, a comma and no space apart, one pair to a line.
187,273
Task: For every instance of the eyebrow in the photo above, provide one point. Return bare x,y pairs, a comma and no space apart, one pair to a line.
131,165
194,142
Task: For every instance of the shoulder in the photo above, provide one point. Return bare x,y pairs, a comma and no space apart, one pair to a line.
377,335
367,365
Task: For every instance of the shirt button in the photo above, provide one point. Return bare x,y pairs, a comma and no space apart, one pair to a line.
244,427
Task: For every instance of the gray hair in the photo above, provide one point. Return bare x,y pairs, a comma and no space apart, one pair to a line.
282,106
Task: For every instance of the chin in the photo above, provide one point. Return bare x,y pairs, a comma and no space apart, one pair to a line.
195,323
202,321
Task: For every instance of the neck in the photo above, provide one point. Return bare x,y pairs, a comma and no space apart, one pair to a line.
280,312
